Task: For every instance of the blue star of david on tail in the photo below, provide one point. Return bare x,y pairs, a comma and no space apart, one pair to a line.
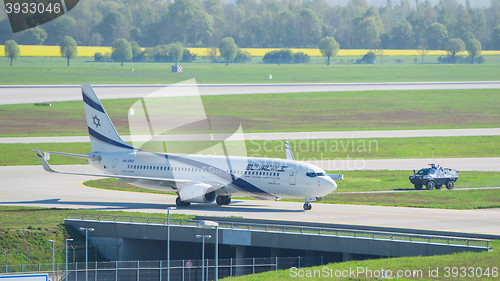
97,121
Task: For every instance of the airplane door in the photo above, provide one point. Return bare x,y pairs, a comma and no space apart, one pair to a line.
292,177
114,168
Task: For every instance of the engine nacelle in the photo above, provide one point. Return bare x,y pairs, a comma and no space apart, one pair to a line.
198,193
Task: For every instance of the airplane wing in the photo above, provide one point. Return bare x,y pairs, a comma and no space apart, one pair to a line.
160,181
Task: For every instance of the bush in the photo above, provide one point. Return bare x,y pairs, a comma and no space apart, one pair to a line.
102,58
460,59
278,56
187,56
368,58
301,57
242,56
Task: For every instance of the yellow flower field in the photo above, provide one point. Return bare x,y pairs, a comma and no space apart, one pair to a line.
85,51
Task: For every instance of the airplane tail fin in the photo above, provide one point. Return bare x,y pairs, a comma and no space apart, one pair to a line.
289,154
102,133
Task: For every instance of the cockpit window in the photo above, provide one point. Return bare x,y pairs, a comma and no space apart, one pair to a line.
313,175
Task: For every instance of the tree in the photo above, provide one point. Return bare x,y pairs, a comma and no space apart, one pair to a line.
12,50
455,45
328,47
121,50
474,49
68,47
495,38
175,51
228,49
423,49
32,36
402,35
436,35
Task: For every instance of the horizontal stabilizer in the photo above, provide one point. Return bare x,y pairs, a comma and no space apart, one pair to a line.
337,177
71,155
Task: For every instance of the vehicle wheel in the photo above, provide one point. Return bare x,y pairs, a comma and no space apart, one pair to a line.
418,186
450,185
430,185
438,186
220,200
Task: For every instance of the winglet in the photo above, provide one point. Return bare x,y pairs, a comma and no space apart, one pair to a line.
289,154
45,165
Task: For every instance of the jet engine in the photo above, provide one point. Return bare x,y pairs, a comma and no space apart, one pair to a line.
197,193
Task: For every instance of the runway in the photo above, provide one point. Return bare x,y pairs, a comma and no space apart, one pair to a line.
14,94
32,186
284,136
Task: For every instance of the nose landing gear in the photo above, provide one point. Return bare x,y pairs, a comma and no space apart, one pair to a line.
307,206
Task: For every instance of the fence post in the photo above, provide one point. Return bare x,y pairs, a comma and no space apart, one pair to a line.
253,265
299,262
230,267
38,268
116,270
95,271
276,267
160,269
321,260
22,268
57,272
182,270
76,270
137,270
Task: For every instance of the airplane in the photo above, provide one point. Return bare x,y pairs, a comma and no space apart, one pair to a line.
195,178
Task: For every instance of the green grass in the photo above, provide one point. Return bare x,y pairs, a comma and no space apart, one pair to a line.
34,71
481,260
32,227
304,150
293,112
360,181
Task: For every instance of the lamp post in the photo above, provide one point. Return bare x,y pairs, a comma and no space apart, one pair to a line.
168,241
53,268
67,240
86,229
6,260
203,254
212,225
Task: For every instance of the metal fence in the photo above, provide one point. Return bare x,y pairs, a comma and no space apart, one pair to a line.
180,270
361,234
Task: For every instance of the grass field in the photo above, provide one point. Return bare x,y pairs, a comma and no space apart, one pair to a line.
331,111
360,181
42,73
304,150
419,266
31,227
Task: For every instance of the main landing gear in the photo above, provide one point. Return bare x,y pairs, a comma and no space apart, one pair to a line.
307,206
223,200
181,203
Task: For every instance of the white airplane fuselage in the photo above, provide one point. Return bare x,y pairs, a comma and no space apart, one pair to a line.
233,176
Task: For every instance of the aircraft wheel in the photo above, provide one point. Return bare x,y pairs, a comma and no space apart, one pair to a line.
228,200
220,200
430,185
450,185
307,206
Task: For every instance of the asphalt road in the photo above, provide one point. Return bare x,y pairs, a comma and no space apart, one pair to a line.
13,94
31,186
286,135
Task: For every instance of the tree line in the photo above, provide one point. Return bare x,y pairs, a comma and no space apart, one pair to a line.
269,23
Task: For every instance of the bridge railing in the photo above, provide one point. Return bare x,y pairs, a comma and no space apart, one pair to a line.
303,230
